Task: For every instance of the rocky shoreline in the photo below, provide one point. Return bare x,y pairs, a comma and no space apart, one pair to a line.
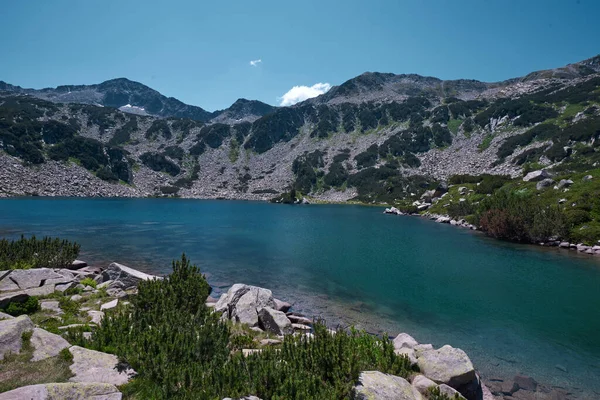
446,219
447,368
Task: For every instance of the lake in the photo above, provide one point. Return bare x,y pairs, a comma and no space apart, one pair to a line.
512,308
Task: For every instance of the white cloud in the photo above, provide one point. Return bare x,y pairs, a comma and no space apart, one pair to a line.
255,63
301,93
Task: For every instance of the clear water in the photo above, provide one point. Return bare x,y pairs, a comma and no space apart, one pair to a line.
512,308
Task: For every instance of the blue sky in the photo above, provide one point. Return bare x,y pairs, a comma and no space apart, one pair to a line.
200,52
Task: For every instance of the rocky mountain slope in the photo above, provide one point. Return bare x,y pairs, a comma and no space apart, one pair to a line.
375,138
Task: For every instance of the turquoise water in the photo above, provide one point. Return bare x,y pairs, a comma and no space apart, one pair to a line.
512,308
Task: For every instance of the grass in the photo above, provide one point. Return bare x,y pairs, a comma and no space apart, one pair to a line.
453,125
234,150
486,142
16,370
89,282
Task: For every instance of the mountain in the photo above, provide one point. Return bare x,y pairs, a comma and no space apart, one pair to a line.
376,138
242,111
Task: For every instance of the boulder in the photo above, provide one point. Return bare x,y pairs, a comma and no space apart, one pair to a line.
536,176
96,316
61,287
563,183
377,385
13,297
77,264
95,366
46,344
543,184
408,353
296,319
274,321
241,303
587,178
52,306
422,383
6,284
109,305
283,306
447,365
404,340
127,276
11,331
301,327
5,316
66,391
441,188
451,392
463,190
36,277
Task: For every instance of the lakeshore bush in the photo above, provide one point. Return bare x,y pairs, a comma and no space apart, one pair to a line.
37,253
181,349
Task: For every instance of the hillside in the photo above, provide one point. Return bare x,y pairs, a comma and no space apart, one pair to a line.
377,138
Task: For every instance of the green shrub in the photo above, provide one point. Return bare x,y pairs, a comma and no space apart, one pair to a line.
28,307
34,253
180,349
66,355
89,282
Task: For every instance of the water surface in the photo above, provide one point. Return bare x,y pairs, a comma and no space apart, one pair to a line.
512,308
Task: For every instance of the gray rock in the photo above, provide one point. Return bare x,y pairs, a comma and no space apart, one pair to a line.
95,366
407,352
36,277
126,275
241,303
404,340
587,178
78,264
450,392
447,365
423,383
376,385
46,344
301,327
543,184
5,316
51,305
76,297
563,183
96,316
296,319
64,391
12,297
105,284
536,176
109,305
40,291
7,284
61,287
275,321
270,342
283,306
11,331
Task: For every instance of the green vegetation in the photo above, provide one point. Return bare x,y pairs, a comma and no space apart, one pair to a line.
486,142
28,307
35,253
180,349
453,125
306,168
159,127
158,162
17,370
89,282
123,134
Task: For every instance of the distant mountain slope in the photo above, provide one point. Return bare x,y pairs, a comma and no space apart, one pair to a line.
377,138
136,98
